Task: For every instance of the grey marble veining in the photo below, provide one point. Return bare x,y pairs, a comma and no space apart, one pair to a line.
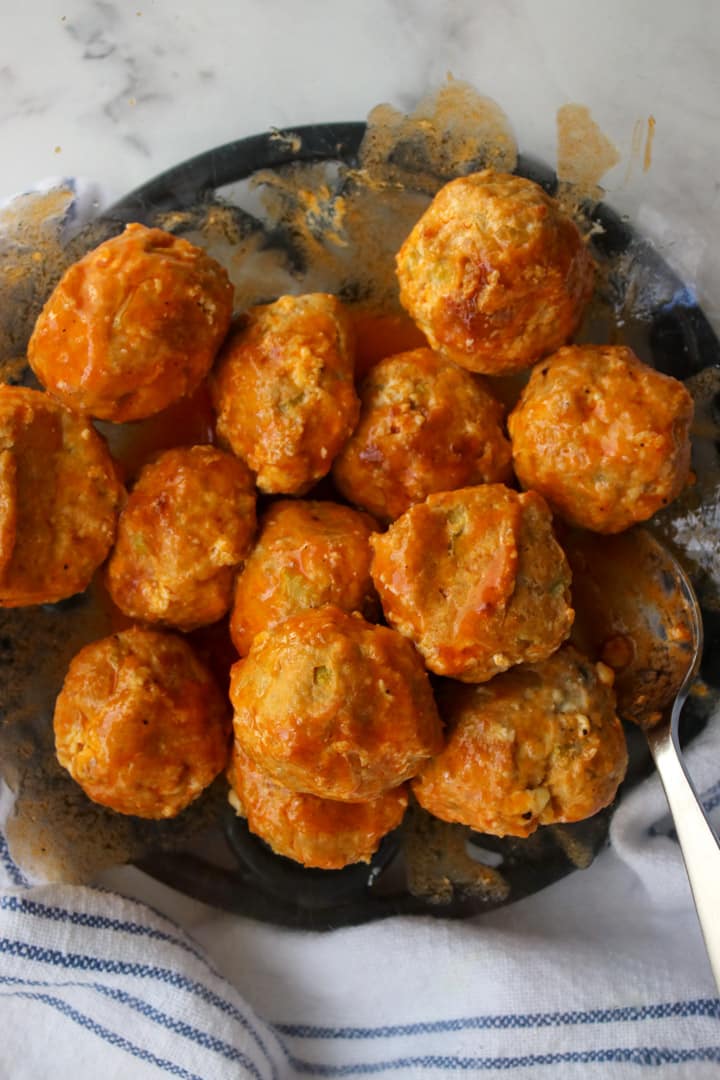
118,91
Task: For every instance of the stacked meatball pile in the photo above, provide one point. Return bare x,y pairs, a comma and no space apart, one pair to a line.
417,553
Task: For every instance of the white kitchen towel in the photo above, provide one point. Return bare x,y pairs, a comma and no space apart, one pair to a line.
602,975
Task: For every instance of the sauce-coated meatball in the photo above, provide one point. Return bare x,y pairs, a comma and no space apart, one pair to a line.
284,392
494,274
312,831
140,723
59,499
133,326
188,523
425,425
476,579
332,706
308,554
602,436
537,745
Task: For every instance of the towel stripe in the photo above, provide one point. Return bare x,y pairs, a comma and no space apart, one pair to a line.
104,1033
647,1056
502,1021
24,906
82,962
12,869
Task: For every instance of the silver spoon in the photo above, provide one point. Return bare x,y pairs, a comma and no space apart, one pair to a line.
639,613
698,842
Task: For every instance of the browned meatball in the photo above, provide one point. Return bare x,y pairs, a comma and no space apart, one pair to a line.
284,390
312,831
140,724
537,745
425,425
332,706
133,326
59,499
476,579
602,436
494,274
188,523
308,554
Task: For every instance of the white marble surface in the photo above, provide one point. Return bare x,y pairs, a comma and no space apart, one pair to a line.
117,90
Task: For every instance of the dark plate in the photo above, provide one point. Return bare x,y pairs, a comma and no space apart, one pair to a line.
426,867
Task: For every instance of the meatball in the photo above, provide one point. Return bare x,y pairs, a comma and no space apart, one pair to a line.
140,724
284,392
59,499
425,425
538,745
188,523
476,579
312,831
332,706
308,554
602,436
133,326
494,274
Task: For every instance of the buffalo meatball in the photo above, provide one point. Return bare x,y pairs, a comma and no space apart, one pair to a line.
312,831
140,723
538,745
133,326
602,436
308,554
59,499
188,523
425,425
494,274
332,706
284,392
476,579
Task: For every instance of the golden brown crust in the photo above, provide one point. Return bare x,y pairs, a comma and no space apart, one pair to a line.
494,274
425,425
308,554
538,745
332,706
283,390
140,723
59,499
602,436
188,523
312,831
476,579
133,326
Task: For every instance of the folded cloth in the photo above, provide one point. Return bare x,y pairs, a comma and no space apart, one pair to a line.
603,974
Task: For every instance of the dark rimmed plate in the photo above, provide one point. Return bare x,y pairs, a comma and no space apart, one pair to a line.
426,867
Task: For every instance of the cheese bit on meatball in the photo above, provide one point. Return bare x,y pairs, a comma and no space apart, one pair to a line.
140,723
283,390
425,425
308,554
494,273
59,499
188,523
315,832
332,706
604,437
538,745
133,326
476,579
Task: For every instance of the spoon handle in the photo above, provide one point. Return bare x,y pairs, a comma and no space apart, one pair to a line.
698,843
